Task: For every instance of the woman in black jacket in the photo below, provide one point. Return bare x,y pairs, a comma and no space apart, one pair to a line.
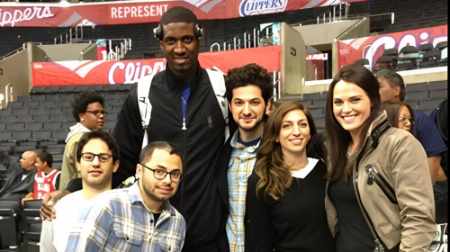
286,191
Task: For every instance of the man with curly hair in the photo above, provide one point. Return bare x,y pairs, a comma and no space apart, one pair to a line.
87,108
249,93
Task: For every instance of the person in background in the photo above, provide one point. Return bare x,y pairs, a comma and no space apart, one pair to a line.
440,116
21,181
87,109
46,179
286,191
400,115
392,87
97,159
380,196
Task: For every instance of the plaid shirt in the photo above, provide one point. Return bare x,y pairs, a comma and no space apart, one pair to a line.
240,167
118,220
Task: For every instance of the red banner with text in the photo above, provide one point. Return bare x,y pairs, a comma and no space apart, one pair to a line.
91,72
135,12
372,48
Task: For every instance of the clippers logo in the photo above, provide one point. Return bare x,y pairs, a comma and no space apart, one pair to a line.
257,7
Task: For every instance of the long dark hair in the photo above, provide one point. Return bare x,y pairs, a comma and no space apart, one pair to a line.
339,139
275,175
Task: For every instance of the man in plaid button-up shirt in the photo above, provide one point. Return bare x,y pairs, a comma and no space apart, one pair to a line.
249,90
138,218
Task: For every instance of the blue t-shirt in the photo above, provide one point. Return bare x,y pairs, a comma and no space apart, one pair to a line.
428,134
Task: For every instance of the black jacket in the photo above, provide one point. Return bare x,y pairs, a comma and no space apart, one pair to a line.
22,188
201,144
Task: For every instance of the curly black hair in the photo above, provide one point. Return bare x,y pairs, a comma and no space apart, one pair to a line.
82,100
250,74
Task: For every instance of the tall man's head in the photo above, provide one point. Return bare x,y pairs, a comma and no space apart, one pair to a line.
28,160
179,37
249,90
97,159
392,87
160,172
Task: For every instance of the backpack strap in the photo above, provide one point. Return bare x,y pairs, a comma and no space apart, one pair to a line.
218,84
145,107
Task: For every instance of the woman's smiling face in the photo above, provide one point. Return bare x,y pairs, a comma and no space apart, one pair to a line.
351,106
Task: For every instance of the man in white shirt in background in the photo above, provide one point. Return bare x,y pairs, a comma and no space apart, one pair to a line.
97,159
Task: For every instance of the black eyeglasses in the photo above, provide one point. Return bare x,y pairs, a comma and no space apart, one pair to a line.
102,157
97,112
161,174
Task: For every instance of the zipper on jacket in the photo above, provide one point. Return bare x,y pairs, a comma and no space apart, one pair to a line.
184,124
374,176
378,246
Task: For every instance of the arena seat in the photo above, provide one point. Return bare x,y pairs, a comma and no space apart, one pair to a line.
407,58
429,104
430,58
19,136
37,111
11,214
67,89
384,61
38,97
435,85
6,136
17,104
441,45
47,104
39,136
24,119
53,111
52,126
31,104
6,112
362,62
33,227
41,118
15,126
24,98
8,119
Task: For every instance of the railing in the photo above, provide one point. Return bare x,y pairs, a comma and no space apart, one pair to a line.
24,46
73,35
344,9
8,93
276,86
238,43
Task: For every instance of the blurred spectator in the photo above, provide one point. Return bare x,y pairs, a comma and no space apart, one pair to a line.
21,181
392,87
439,116
87,108
47,178
400,115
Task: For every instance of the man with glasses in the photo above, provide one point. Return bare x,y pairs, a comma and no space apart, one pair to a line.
97,159
87,109
137,218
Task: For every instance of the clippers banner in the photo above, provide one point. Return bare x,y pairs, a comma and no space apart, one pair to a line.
135,12
372,48
91,72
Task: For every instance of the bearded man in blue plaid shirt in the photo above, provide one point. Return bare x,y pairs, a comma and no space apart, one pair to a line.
138,218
